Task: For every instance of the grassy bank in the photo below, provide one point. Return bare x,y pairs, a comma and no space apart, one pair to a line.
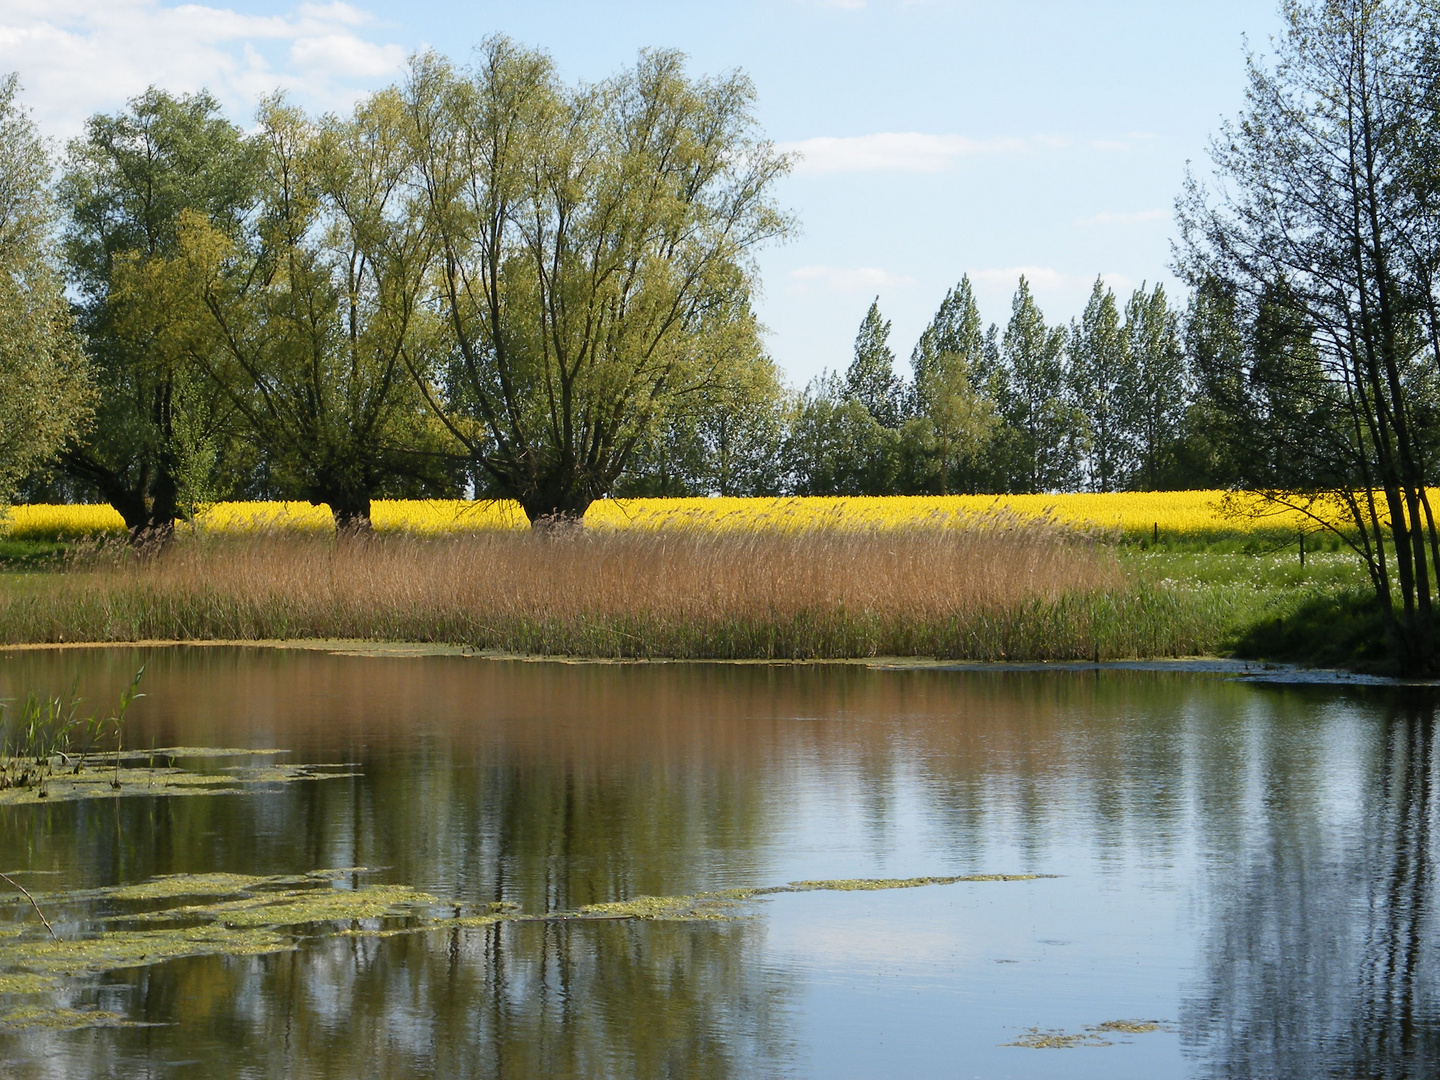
763,578
1002,588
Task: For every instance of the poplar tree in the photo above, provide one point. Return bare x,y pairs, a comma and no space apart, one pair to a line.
1103,379
1157,388
1043,428
871,378
1218,423
949,368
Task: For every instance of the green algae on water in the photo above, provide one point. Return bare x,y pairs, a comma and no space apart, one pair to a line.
876,884
252,915
301,907
140,775
27,1017
1095,1035
718,905
1131,1027
695,908
113,950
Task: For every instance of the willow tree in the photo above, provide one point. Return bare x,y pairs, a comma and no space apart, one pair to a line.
307,318
595,252
44,388
128,182
1324,224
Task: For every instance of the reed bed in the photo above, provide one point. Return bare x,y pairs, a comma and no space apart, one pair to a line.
1000,587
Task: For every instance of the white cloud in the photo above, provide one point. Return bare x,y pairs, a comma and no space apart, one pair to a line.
1123,144
1108,218
75,57
1047,283
844,5
907,151
839,280
345,54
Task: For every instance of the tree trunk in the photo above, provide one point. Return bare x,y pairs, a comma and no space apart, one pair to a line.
351,511
552,509
148,506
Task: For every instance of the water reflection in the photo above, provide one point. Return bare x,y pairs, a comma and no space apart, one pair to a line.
1252,862
1321,950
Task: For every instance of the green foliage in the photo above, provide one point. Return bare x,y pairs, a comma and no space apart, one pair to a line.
308,318
836,446
1158,389
950,363
723,437
1210,452
160,427
871,378
1043,436
45,393
596,246
1101,373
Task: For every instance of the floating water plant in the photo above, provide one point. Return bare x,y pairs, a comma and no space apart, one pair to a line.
136,773
186,915
1094,1035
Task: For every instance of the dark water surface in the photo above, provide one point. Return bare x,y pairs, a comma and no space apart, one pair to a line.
1252,865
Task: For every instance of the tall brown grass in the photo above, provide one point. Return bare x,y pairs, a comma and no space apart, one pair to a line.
1001,588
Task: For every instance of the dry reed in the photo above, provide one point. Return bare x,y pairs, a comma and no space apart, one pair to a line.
1001,588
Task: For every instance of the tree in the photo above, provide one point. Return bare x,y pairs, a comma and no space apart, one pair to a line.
1102,375
308,319
742,426
1217,423
948,364
127,184
596,256
871,379
723,438
1158,388
45,394
836,447
1042,427
1325,227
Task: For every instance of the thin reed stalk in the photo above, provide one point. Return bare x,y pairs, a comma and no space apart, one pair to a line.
1003,588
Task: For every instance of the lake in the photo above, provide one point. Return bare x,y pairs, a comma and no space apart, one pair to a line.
1207,877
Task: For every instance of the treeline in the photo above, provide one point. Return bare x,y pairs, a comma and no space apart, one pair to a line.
484,281
1139,396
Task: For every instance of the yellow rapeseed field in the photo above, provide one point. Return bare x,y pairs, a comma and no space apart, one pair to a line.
1174,513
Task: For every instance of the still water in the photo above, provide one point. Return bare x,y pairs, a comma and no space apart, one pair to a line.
1249,866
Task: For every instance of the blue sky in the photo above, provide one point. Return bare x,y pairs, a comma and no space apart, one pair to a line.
939,137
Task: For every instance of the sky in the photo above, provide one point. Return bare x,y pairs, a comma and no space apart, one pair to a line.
936,138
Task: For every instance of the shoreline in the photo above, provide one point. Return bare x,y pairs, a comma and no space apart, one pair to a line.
1256,671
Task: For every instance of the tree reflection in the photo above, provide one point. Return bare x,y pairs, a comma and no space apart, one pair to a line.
522,1000
1322,955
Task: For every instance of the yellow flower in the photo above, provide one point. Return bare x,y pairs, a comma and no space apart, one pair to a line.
1136,514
